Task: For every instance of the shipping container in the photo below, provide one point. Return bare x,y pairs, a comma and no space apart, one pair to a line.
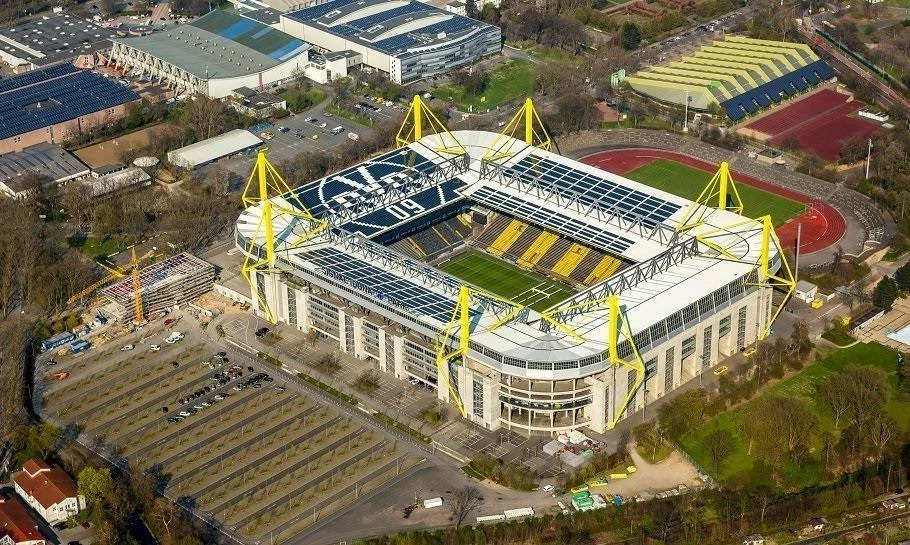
79,346
57,340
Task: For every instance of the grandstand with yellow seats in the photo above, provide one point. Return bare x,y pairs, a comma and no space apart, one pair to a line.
740,75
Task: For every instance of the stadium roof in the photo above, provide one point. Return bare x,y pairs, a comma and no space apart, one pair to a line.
671,271
390,26
41,98
741,74
50,39
48,160
213,148
220,44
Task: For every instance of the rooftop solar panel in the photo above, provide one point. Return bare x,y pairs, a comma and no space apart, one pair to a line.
630,204
381,284
551,219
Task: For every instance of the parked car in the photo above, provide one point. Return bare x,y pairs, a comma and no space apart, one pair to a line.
127,347
155,347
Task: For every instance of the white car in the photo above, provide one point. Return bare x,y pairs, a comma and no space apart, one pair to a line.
155,347
547,488
126,347
184,414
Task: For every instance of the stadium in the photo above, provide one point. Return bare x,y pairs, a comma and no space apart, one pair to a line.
531,291
739,75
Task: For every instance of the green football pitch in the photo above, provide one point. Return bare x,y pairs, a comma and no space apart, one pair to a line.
506,280
688,182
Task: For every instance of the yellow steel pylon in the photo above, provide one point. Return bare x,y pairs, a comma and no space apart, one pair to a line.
782,279
617,327
534,134
276,200
460,325
420,121
719,193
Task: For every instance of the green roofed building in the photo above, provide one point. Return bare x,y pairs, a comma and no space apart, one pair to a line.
741,75
215,54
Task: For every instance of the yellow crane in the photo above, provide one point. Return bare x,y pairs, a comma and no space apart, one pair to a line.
117,273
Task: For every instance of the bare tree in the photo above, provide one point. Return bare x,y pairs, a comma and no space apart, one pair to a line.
464,500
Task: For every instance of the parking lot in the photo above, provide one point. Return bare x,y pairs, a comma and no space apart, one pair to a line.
228,436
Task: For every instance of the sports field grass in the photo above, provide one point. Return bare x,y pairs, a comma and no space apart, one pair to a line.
688,182
507,280
740,467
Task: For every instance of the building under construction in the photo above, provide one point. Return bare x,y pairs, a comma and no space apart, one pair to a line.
174,281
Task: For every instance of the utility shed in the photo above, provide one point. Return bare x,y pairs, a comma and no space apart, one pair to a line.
212,149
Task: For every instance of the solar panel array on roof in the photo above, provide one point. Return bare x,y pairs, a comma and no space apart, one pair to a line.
49,39
776,90
630,204
381,284
353,185
573,228
46,97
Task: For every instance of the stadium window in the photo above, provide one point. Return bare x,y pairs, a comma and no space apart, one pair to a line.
706,348
478,398
641,340
669,365
741,329
688,347
674,323
705,306
724,327
721,296
690,314
650,368
657,332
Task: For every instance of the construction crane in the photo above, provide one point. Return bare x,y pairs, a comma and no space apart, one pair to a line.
115,273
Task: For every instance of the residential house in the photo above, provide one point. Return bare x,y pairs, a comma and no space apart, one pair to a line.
49,491
17,527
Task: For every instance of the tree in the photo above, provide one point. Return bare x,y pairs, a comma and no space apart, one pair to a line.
885,293
464,500
902,277
630,36
683,413
470,8
720,445
835,392
95,484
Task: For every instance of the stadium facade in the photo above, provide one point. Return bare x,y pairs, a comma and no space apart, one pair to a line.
215,54
685,288
741,75
405,39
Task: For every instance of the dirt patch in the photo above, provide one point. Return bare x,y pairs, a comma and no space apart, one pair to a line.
673,471
108,152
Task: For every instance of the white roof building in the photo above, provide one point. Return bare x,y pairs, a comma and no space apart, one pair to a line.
212,149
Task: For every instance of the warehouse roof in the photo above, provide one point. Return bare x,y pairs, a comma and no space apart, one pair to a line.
40,98
51,39
214,148
48,160
391,26
220,44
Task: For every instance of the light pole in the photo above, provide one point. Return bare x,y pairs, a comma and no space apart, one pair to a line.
868,158
686,114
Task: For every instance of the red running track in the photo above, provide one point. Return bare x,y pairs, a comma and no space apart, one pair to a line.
822,225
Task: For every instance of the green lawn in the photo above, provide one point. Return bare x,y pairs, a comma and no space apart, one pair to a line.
803,386
98,248
688,182
510,81
350,116
507,280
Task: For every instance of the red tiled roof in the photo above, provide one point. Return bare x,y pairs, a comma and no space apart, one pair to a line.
16,522
48,485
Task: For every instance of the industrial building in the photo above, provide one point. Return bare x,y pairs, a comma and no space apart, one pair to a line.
56,103
50,162
404,39
664,288
47,40
740,75
174,281
215,54
212,149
